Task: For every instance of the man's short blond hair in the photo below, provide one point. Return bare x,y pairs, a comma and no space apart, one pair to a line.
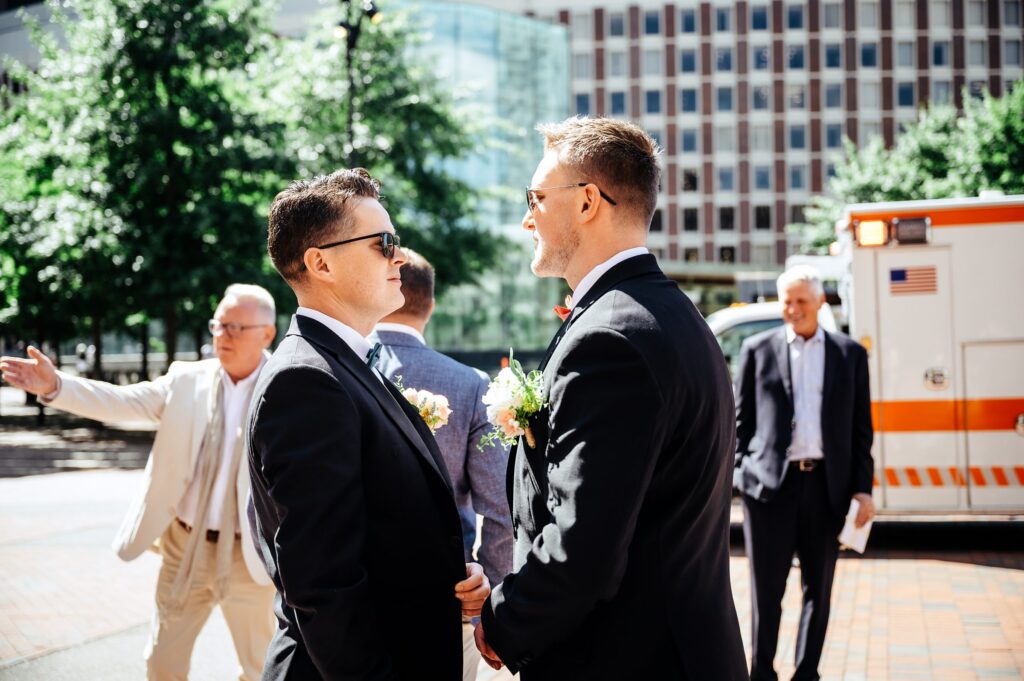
617,156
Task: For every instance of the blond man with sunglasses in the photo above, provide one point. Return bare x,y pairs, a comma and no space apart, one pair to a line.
192,503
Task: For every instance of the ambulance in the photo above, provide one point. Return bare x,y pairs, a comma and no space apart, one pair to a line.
934,290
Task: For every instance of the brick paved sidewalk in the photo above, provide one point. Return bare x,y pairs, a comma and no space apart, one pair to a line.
897,615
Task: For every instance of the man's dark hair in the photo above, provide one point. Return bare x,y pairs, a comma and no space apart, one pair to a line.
417,285
310,212
618,156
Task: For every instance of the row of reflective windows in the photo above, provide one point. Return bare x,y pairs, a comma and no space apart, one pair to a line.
653,61
760,254
939,14
725,177
726,218
869,95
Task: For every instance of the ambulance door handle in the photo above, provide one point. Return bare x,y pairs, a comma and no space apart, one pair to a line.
1019,425
935,378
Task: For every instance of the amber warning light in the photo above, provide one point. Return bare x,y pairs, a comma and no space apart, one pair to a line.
871,233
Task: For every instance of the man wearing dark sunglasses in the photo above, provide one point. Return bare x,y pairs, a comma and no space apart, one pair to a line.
354,509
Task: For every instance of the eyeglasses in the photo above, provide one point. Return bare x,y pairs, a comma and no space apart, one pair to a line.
389,241
231,328
532,201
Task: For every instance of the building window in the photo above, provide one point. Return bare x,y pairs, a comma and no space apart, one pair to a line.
652,62
905,14
689,180
727,254
868,15
868,95
652,22
797,137
726,179
760,58
833,95
976,13
833,56
870,130
940,53
761,254
904,94
759,18
761,97
976,53
656,136
726,218
940,92
723,19
691,254
976,88
939,13
762,177
616,24
582,27
689,219
656,225
688,21
688,61
905,54
761,137
795,16
834,135
833,15
1011,13
688,100
583,105
723,59
725,138
796,95
582,67
869,55
723,97
616,64
796,56
798,177
830,171
796,214
688,140
653,101
1011,52
762,217
617,104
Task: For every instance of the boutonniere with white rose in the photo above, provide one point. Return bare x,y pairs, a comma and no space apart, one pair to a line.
433,409
511,398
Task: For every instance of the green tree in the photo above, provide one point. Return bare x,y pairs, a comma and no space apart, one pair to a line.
989,151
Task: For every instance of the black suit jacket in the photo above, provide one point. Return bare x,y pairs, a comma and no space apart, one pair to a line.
764,417
355,519
621,513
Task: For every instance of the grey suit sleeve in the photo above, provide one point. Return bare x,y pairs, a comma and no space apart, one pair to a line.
863,431
485,471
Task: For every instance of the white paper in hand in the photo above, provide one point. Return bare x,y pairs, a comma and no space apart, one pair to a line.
853,537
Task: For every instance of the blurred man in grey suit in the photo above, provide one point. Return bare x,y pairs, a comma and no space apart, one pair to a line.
478,476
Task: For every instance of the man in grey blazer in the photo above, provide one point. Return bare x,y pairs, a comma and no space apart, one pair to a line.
478,475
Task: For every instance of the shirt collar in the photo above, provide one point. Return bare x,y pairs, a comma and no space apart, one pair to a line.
791,336
587,282
359,344
400,328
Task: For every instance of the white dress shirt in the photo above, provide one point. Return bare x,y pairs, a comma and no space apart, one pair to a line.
400,328
236,400
358,343
587,282
807,371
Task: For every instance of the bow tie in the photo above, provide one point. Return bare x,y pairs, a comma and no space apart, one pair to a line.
563,312
373,355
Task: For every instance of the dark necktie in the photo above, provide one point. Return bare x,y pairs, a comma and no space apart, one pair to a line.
373,356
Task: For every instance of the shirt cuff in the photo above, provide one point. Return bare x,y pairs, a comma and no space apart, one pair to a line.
50,397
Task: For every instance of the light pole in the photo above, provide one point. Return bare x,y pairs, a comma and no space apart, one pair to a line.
348,29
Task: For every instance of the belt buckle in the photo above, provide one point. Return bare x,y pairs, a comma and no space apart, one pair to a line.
807,465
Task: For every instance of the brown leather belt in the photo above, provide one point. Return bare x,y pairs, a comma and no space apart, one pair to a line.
211,535
806,465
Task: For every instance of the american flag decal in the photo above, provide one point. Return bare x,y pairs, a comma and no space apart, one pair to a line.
913,280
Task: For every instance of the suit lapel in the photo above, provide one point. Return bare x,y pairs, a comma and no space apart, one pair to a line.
318,334
782,358
831,360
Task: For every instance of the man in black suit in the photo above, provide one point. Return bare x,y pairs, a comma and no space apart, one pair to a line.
355,517
621,511
803,451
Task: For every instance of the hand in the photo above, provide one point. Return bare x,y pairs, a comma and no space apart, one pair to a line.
866,511
473,590
486,651
35,375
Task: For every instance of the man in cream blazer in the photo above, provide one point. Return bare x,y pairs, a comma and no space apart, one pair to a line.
193,502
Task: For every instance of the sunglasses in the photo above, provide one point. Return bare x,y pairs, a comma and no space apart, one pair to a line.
532,201
389,241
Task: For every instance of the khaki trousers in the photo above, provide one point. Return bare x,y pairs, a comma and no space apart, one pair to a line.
247,608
